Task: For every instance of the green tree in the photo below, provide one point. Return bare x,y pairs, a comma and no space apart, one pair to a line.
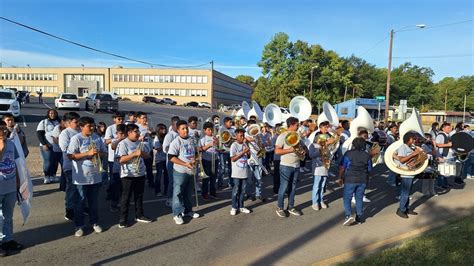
249,80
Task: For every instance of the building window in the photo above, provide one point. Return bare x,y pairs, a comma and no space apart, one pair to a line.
344,111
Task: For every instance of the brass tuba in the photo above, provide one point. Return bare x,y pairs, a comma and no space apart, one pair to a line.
255,132
324,150
416,165
293,139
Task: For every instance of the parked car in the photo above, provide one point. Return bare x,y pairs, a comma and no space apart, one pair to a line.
204,105
101,101
67,100
234,107
169,101
191,104
151,99
9,103
114,95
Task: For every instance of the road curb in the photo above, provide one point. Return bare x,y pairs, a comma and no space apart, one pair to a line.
371,248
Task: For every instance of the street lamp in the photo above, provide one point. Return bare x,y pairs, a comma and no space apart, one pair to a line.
311,84
387,92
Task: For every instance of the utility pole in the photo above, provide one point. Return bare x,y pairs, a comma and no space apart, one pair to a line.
464,110
212,84
446,100
387,92
345,93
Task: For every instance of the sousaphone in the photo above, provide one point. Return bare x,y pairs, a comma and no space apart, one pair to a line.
362,121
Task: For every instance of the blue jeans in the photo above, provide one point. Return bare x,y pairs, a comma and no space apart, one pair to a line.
209,184
392,178
405,193
70,196
441,181
226,163
349,190
182,193
238,193
47,160
288,177
87,194
161,171
7,204
254,183
318,189
56,159
169,169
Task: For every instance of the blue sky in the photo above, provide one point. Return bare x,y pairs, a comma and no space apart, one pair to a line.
233,33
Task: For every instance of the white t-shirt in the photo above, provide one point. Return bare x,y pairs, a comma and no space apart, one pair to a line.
289,159
240,168
317,163
185,151
207,155
110,133
159,156
55,134
48,126
440,140
404,151
130,168
64,140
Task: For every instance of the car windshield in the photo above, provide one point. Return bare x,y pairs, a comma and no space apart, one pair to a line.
69,96
106,97
6,95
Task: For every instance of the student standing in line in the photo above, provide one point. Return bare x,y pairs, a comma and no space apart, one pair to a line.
239,153
45,127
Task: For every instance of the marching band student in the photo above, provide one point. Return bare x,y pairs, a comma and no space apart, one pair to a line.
255,165
10,122
243,122
192,127
239,153
142,123
391,138
160,160
45,127
444,150
115,184
110,136
172,134
57,154
354,174
427,183
303,130
208,147
132,117
182,154
9,181
71,119
84,150
130,153
404,154
269,148
289,165
319,169
276,162
225,155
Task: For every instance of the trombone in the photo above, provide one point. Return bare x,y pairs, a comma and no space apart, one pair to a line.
137,160
96,161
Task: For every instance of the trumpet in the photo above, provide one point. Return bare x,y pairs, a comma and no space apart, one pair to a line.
96,161
293,139
137,160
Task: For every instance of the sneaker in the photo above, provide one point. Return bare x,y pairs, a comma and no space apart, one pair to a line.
306,169
97,228
46,180
301,170
348,220
324,205
178,219
281,212
295,212
315,207
143,219
205,197
412,212
55,179
3,253
245,210
158,194
12,245
365,199
122,225
168,203
353,200
398,197
79,232
402,214
359,220
192,215
470,177
233,211
261,199
114,208
213,196
69,215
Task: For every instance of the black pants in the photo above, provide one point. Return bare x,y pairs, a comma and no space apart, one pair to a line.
161,171
209,184
276,176
149,171
137,186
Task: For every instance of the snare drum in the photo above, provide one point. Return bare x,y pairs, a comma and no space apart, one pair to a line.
447,168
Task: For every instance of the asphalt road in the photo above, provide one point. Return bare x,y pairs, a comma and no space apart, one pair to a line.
33,113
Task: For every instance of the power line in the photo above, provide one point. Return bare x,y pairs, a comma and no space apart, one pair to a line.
98,50
375,45
440,25
435,56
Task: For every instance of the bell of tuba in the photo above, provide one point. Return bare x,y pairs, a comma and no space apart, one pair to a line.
300,107
272,114
255,132
413,123
255,111
293,139
362,121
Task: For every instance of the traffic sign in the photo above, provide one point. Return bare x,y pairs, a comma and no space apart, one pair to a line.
380,98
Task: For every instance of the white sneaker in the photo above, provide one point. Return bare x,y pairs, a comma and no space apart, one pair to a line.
97,228
315,207
365,199
178,219
79,232
469,177
245,210
301,170
324,205
47,180
353,200
233,211
192,214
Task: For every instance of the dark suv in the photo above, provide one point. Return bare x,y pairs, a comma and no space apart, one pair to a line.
98,101
151,99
